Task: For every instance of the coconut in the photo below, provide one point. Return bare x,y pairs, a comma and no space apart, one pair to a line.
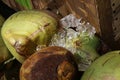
24,31
107,67
50,63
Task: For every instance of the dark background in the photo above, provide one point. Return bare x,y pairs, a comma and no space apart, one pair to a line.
5,11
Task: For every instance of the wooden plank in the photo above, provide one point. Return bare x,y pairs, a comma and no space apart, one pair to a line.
106,22
85,9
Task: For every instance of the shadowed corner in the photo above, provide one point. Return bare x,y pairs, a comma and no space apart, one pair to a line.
5,11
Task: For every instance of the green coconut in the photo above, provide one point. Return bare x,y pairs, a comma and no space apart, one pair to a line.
107,67
25,31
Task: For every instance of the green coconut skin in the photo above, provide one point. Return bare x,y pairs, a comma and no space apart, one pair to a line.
25,30
87,51
107,67
4,53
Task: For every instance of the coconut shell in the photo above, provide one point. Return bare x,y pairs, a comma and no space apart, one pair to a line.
51,63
